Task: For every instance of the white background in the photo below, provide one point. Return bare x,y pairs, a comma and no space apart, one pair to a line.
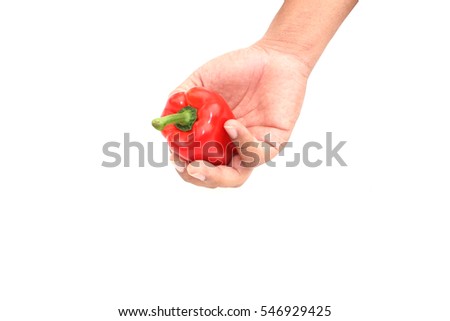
78,241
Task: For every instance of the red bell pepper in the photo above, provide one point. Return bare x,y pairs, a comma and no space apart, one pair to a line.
192,123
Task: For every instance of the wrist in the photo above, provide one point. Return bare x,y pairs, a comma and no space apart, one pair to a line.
303,28
287,46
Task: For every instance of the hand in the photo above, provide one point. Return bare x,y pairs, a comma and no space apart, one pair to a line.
265,88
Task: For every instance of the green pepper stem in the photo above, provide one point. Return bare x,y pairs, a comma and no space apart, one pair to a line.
183,120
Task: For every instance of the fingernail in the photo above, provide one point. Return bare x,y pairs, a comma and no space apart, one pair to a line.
198,176
180,169
232,132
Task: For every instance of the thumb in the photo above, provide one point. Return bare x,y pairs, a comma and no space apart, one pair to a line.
251,151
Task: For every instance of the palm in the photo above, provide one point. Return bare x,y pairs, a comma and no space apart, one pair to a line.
264,88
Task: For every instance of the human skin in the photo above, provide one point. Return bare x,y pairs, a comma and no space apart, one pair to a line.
264,85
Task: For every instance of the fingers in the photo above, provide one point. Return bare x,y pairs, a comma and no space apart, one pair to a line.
252,151
218,176
202,173
178,163
181,165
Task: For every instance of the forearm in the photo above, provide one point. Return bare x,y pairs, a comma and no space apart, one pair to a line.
304,27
